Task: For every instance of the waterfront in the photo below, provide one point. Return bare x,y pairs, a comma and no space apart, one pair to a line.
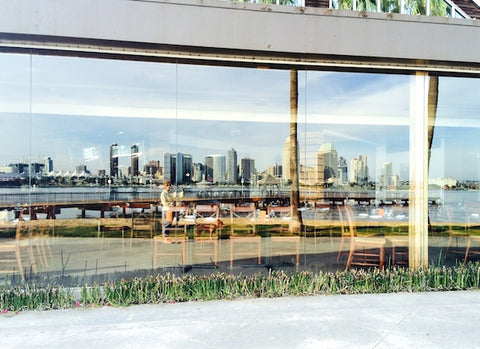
82,243
365,202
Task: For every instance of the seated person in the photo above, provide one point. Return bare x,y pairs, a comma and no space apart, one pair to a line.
170,198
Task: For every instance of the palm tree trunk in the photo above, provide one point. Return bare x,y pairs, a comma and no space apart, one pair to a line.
296,223
432,116
432,111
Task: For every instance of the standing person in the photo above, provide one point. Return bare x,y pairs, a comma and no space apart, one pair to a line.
170,198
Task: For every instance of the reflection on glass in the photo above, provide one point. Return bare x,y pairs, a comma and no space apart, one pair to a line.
455,169
354,165
104,136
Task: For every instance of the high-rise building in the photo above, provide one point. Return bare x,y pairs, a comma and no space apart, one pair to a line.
48,165
308,175
177,168
387,175
247,169
342,171
198,172
114,160
208,168
395,181
152,167
359,170
81,169
134,154
327,163
219,162
232,167
169,167
188,168
37,167
275,170
19,168
183,168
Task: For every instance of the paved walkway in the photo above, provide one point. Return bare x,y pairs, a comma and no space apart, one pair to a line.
419,320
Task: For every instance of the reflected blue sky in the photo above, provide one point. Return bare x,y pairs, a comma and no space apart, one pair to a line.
79,104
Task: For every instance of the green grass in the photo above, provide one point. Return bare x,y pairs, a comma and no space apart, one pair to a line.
171,288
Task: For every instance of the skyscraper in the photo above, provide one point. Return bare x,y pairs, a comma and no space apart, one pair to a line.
183,168
342,171
134,152
359,170
327,163
177,168
387,175
81,169
114,160
275,170
152,167
188,168
48,165
219,162
232,167
198,172
208,168
247,169
169,167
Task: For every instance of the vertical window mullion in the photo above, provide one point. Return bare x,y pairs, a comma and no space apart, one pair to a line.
418,196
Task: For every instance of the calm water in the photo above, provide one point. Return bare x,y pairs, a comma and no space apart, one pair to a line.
456,201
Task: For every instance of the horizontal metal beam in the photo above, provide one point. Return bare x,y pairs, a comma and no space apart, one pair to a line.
230,33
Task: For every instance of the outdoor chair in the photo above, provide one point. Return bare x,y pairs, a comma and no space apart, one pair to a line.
16,254
279,212
242,218
457,234
322,214
207,218
280,216
142,224
364,250
344,230
39,240
171,248
399,245
113,225
472,212
473,245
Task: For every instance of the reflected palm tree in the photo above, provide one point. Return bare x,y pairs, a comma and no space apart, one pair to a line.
296,224
432,116
432,111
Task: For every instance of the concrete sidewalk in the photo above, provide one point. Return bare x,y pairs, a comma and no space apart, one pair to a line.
418,320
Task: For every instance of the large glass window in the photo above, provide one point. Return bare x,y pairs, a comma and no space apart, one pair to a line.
354,166
455,169
88,146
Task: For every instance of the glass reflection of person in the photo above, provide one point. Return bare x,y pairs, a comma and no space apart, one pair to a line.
170,198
